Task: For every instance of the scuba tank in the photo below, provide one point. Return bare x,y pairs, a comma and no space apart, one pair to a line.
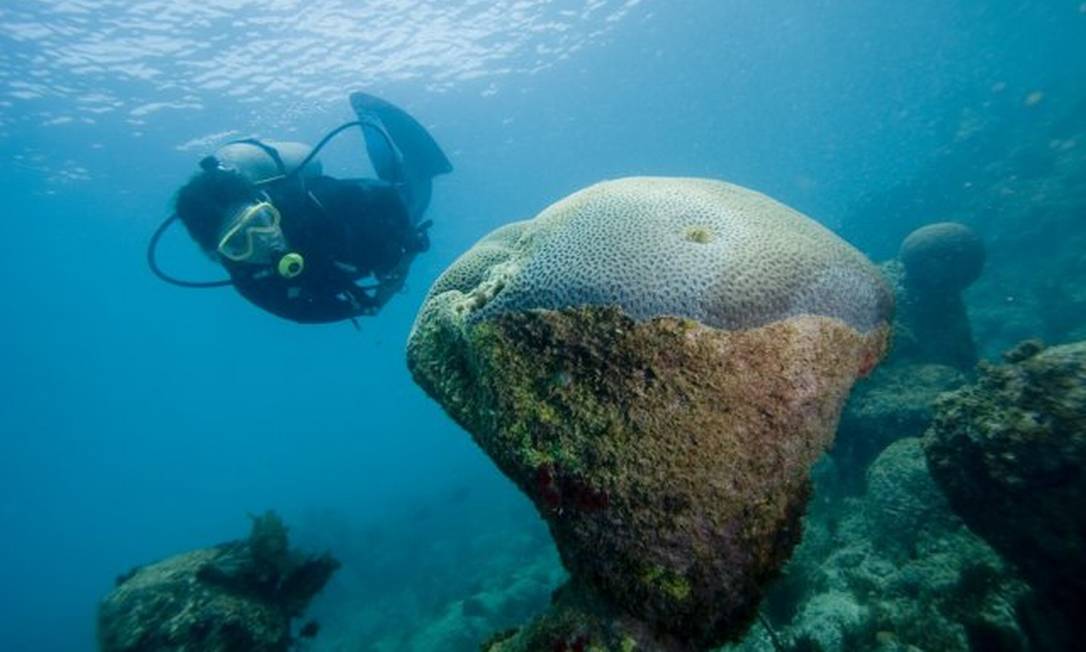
257,160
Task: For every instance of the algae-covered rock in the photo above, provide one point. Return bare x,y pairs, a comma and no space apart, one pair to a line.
656,363
236,597
1010,454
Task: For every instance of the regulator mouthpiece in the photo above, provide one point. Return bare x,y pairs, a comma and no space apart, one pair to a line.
291,265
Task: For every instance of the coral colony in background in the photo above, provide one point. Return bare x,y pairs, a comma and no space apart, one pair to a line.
235,597
1009,453
657,363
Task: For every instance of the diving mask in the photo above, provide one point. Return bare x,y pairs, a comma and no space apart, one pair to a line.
253,235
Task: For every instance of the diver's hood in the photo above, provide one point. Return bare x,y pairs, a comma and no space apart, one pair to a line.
256,164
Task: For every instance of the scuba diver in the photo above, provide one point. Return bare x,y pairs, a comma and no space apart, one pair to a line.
305,246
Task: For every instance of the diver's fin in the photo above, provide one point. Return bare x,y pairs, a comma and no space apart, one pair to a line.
401,149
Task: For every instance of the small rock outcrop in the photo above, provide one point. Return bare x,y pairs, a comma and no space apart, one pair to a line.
236,597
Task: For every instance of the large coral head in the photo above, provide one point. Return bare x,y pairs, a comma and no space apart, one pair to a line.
657,363
942,257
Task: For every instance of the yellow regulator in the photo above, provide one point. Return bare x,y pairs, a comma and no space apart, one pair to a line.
291,265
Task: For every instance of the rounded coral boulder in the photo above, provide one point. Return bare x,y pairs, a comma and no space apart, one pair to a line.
656,363
947,256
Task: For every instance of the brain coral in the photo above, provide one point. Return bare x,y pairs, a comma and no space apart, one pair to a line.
706,250
945,256
656,363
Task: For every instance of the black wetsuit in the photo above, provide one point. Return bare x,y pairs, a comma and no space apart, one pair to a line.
347,231
357,237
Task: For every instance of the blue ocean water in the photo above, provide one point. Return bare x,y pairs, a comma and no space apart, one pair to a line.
138,420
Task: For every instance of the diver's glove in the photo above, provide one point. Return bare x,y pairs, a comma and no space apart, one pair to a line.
363,303
421,240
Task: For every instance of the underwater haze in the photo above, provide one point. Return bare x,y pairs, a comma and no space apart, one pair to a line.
139,420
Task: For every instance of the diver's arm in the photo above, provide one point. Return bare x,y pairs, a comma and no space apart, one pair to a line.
391,283
340,306
333,300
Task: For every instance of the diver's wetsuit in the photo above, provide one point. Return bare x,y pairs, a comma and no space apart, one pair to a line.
346,230
308,247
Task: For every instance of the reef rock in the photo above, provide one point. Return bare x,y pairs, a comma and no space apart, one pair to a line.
893,403
656,363
894,569
1010,454
236,597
